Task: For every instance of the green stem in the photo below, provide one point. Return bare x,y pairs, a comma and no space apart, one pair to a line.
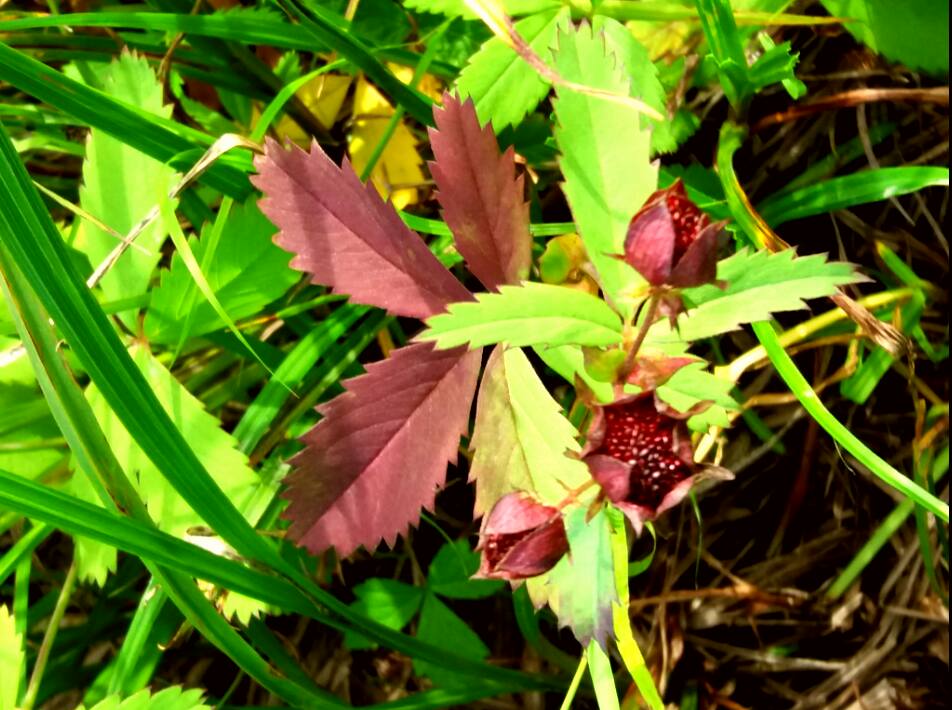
810,401
576,681
43,655
756,230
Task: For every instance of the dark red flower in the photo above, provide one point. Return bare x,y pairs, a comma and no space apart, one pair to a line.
520,538
670,242
641,456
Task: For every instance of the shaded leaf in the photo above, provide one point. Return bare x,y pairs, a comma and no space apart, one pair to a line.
520,437
604,155
389,602
569,362
530,314
25,420
246,273
480,195
580,589
914,32
450,571
504,87
346,237
120,186
759,284
440,626
380,452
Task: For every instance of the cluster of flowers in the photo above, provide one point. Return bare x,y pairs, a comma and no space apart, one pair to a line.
638,450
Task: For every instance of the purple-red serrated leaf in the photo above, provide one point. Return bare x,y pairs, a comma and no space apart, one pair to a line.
345,236
481,196
380,451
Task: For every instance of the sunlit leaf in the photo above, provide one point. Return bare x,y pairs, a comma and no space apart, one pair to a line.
12,658
759,284
247,272
213,446
530,314
520,438
604,147
504,87
174,698
120,186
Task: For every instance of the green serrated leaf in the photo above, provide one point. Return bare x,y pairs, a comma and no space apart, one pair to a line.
693,384
759,284
390,602
440,625
213,446
174,698
605,156
120,186
530,314
580,589
569,361
450,571
520,437
643,75
504,87
247,272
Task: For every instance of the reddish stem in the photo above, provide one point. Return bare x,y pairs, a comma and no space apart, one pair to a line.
646,324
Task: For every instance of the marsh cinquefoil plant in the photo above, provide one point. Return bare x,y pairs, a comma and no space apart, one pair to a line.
548,494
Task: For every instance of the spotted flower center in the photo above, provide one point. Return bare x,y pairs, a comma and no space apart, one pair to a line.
688,222
497,545
638,435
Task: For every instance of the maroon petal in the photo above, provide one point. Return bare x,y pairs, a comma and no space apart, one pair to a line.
649,245
520,538
612,475
698,265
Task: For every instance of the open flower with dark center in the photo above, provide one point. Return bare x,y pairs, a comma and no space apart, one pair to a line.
520,538
641,456
670,242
